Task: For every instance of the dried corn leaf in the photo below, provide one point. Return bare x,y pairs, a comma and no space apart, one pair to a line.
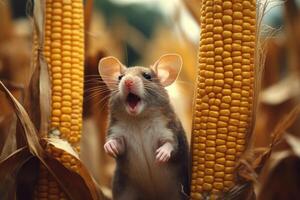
277,136
29,130
7,144
39,98
282,91
13,165
26,179
68,179
9,169
284,124
284,168
294,143
248,169
244,191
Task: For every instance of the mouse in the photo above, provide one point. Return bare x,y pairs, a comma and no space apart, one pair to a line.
144,134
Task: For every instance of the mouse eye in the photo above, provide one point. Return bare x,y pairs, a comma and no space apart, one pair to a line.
147,76
120,77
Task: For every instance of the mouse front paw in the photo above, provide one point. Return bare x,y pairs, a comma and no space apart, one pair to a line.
113,148
163,153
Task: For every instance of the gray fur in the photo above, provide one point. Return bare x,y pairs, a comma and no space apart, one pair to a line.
136,175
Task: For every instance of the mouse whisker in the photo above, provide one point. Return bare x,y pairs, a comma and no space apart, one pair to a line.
93,80
104,99
103,75
151,91
96,89
104,104
93,83
114,91
98,77
96,86
100,81
90,98
157,93
93,95
110,77
92,75
108,82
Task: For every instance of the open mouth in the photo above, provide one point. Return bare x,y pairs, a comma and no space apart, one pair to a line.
132,101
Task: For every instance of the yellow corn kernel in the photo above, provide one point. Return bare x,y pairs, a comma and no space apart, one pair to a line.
64,53
223,101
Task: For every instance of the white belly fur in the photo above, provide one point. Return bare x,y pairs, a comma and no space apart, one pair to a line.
141,142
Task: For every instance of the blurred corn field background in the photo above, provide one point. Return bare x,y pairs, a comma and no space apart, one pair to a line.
237,95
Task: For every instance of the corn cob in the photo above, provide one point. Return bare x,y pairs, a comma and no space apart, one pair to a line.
224,96
64,53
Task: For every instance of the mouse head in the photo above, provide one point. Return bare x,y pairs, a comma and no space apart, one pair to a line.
137,89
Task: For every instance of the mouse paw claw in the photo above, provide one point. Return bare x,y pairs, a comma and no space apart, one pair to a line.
163,154
111,147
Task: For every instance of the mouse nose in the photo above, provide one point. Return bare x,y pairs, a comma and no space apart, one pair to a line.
129,83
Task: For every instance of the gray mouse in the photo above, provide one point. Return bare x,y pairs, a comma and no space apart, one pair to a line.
144,134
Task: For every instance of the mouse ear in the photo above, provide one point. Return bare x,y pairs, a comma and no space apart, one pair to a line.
167,68
110,69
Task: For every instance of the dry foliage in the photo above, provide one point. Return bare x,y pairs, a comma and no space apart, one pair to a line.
12,165
19,164
24,147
